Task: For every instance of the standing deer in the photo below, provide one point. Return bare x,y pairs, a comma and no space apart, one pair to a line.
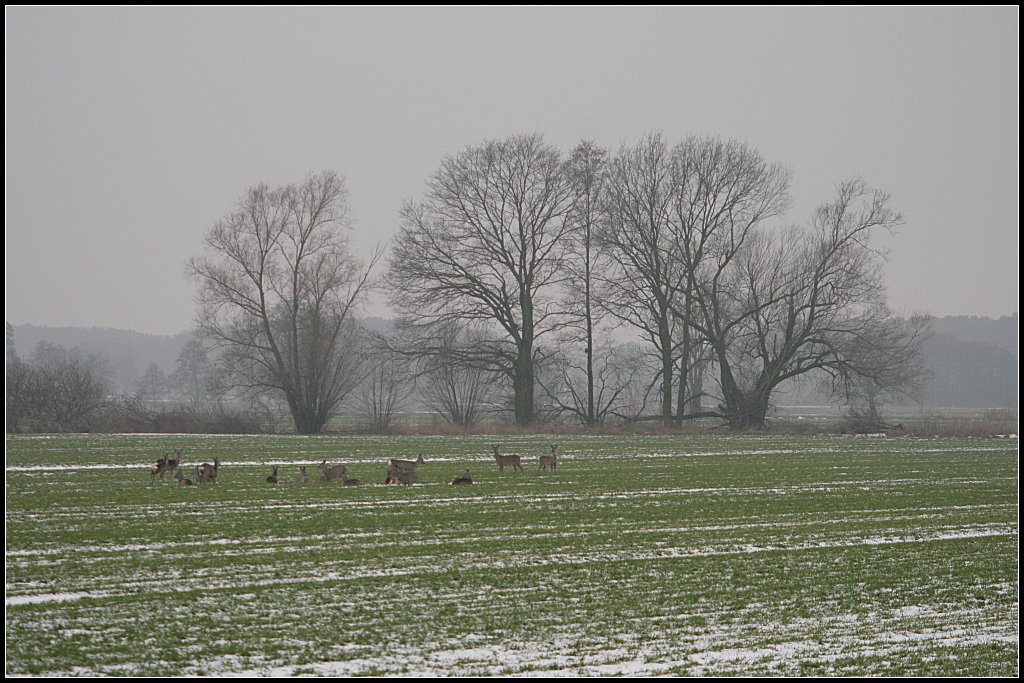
406,465
158,468
504,461
463,480
551,461
303,477
207,473
331,473
164,465
272,479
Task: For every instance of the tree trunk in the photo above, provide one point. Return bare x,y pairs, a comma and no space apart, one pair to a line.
749,411
667,372
522,386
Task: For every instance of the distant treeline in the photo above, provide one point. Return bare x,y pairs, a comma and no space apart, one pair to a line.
972,361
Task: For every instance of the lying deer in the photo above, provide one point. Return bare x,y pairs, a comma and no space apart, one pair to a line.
349,482
182,481
331,473
396,476
551,461
464,480
513,461
272,479
303,477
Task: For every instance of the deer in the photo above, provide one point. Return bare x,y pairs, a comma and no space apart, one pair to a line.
406,465
207,473
272,479
163,465
504,461
303,477
182,481
331,473
462,480
349,482
396,476
551,461
159,468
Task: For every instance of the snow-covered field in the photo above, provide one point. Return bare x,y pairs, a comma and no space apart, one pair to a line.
641,556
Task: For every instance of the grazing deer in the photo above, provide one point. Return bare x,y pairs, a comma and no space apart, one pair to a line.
408,466
504,461
331,473
303,477
182,481
463,480
272,479
396,476
551,461
207,473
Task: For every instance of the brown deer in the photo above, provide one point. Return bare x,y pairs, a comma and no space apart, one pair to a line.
504,461
164,465
207,473
182,481
551,461
303,477
272,479
396,476
463,480
406,465
332,472
349,482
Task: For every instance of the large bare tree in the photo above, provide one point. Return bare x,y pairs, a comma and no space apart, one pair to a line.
644,280
806,300
486,244
278,287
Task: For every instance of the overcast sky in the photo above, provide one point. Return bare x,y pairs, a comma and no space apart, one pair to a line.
130,131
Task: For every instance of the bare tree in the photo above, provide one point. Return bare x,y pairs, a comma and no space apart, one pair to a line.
642,285
152,386
385,389
586,167
807,300
723,192
66,389
596,386
278,287
453,364
18,390
486,245
192,378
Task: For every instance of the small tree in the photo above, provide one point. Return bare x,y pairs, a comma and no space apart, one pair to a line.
385,389
65,388
152,386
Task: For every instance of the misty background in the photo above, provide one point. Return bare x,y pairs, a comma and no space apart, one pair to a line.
131,131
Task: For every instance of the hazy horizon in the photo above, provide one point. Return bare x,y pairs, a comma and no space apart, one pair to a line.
130,131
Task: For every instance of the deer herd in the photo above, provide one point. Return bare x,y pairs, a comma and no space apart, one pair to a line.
399,471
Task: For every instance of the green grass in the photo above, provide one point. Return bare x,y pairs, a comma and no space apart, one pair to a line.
642,555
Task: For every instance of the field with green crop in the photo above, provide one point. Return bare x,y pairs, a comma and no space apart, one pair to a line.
640,556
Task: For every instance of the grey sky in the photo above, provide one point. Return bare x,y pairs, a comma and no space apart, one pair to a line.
129,132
